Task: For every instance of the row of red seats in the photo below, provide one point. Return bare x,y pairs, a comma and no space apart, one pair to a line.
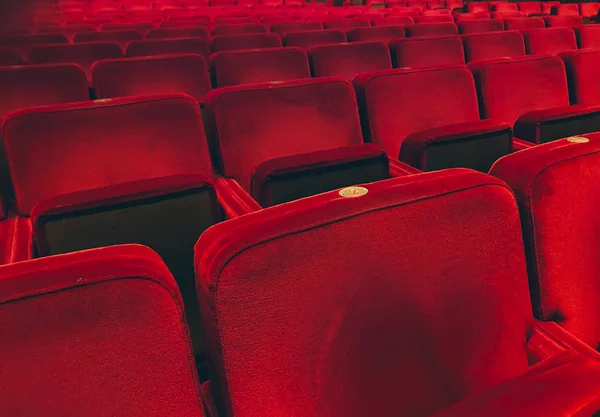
416,287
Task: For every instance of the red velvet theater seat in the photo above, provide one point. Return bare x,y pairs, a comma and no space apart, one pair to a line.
431,29
394,21
259,65
427,52
547,6
141,27
532,94
563,21
488,46
588,36
349,59
526,23
245,41
313,37
282,27
346,24
24,42
398,318
238,29
150,47
10,56
477,7
378,33
430,119
570,9
84,54
582,67
478,26
102,331
169,33
589,10
434,19
121,36
303,133
549,41
555,185
152,75
530,7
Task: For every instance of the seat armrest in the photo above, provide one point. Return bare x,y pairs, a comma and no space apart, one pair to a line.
233,199
557,123
520,144
550,339
475,145
21,239
399,169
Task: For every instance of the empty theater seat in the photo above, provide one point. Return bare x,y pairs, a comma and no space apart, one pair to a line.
589,10
84,54
487,46
150,47
10,56
141,27
291,139
394,21
245,41
582,66
563,21
478,26
152,75
65,313
555,186
429,118
431,29
167,33
460,320
427,52
588,36
121,36
313,37
434,19
260,65
282,27
531,93
526,23
549,41
570,9
237,29
24,42
349,59
379,33
346,24
530,8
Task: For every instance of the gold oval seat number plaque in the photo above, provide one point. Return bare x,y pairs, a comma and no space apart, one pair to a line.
353,192
578,139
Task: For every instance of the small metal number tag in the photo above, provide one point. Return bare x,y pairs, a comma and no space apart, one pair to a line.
352,192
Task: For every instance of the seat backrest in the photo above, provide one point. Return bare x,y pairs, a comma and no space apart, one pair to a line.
396,103
421,311
346,24
23,42
237,29
259,66
505,7
589,9
102,143
563,21
245,41
378,33
581,66
434,19
118,303
431,29
476,7
478,26
137,26
548,5
427,52
346,60
568,9
185,32
152,75
121,36
472,16
282,27
487,46
525,23
588,36
555,185
510,88
530,7
279,119
305,39
10,56
549,41
150,47
84,54
394,21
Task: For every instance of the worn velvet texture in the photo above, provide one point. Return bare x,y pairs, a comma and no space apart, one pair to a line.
427,52
488,46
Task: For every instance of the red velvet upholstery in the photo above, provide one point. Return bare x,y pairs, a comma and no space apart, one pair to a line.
232,21
314,37
548,5
434,19
379,33
568,9
92,145
394,21
259,65
439,312
526,23
472,16
23,42
507,15
563,21
397,103
489,46
189,32
346,24
530,7
121,36
68,30
10,56
152,75
588,36
582,75
549,41
168,46
196,21
349,59
282,27
555,185
509,89
503,7
427,52
84,54
40,85
238,29
588,10
478,26
245,41
279,119
431,29
476,7
102,330
137,26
